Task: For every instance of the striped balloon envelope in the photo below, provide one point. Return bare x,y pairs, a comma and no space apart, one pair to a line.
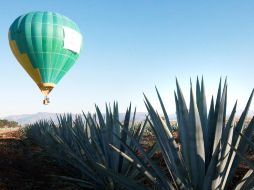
46,44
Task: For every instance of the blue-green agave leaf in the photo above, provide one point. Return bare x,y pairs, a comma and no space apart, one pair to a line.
247,181
196,145
183,124
164,110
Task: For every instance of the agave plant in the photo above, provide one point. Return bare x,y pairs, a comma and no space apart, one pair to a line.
109,154
86,144
210,147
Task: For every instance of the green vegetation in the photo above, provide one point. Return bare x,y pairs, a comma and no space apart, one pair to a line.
91,145
7,123
108,154
210,146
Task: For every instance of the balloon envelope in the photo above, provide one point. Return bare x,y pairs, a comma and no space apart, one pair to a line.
47,45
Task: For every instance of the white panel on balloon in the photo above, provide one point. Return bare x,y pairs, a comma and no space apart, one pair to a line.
72,40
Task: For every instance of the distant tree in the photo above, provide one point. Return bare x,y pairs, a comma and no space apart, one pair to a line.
6,123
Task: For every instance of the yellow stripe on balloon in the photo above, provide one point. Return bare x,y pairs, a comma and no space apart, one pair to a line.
26,63
34,73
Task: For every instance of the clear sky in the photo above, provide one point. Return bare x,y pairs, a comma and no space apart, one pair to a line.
131,46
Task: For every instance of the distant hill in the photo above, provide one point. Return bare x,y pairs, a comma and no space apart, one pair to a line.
24,119
32,118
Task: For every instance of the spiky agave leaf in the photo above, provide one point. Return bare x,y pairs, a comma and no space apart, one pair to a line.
202,107
196,145
183,125
164,110
169,147
247,181
233,160
156,175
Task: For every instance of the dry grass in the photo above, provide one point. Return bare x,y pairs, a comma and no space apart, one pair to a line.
8,130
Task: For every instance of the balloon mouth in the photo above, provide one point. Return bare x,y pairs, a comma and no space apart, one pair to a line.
46,88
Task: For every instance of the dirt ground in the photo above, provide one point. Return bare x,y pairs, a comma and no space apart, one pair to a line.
23,165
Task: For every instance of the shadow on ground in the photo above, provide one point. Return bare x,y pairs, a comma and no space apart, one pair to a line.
23,165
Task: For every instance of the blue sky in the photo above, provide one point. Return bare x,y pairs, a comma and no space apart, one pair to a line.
131,46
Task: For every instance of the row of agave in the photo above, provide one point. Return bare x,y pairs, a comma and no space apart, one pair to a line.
108,153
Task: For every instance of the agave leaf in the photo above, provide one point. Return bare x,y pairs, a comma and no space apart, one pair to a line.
196,145
100,157
168,146
212,120
177,108
87,132
116,125
225,106
81,182
211,131
109,126
138,165
232,165
83,144
225,134
202,107
244,138
116,130
249,163
247,182
96,137
80,146
134,158
183,124
198,92
211,170
164,110
100,117
241,149
225,150
154,148
124,136
133,120
217,126
220,117
65,121
240,124
124,181
247,133
87,164
92,126
155,117
137,134
218,99
79,127
140,131
74,161
104,136
162,179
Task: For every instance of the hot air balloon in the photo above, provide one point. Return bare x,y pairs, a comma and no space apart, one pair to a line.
46,44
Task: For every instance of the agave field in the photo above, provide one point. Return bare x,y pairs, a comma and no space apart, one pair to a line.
201,150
